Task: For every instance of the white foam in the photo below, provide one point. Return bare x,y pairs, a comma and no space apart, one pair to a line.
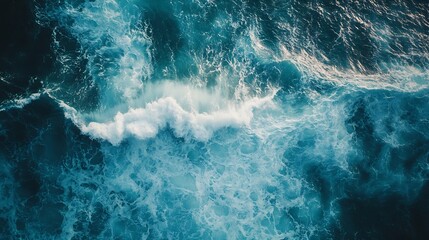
146,122
19,102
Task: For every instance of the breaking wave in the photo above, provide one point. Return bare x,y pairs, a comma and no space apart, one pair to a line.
232,119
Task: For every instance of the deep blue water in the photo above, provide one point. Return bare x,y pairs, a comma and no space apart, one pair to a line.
229,119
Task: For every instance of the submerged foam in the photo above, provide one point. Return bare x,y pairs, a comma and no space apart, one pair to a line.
114,41
398,78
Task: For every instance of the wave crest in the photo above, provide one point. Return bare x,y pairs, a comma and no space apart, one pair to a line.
146,122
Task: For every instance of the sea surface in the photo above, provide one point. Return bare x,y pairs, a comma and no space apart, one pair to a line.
204,119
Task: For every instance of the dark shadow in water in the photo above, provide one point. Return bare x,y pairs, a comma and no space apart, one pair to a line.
166,37
25,53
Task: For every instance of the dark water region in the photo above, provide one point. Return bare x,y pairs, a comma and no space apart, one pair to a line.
38,146
232,119
25,52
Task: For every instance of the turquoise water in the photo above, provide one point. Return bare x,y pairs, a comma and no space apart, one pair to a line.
239,119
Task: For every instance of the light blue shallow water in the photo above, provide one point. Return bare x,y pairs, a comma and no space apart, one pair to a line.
230,119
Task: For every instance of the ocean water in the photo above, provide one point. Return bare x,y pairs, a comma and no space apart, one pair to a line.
229,119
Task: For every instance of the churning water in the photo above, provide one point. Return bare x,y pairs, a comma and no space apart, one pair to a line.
229,119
